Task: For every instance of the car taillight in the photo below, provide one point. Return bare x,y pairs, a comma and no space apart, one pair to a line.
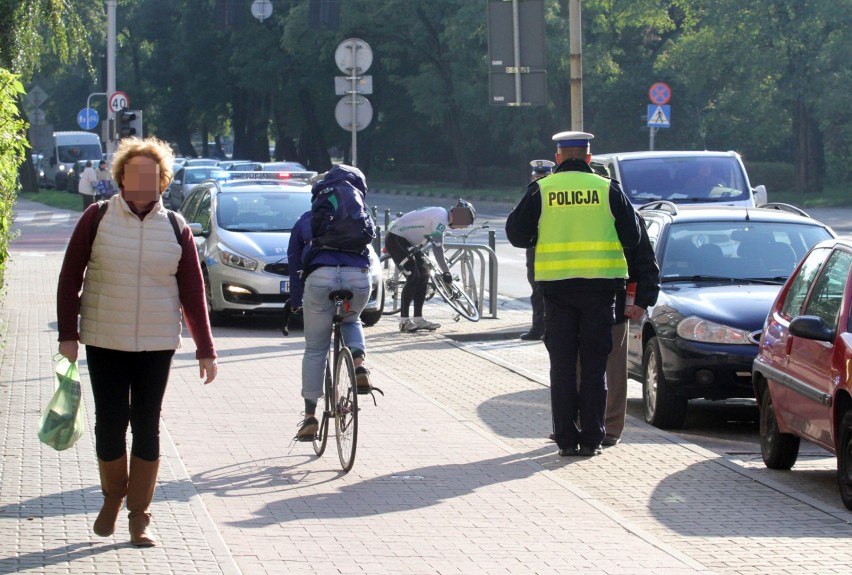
284,175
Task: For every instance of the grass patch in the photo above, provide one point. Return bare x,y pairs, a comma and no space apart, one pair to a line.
55,198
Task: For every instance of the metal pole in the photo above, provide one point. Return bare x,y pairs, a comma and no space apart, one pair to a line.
652,132
354,47
576,53
110,144
516,34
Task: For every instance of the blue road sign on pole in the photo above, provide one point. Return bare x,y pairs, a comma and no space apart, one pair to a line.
87,118
659,116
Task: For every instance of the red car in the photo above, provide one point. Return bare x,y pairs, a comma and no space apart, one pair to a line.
803,371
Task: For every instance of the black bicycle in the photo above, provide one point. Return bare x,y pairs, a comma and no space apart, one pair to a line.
341,388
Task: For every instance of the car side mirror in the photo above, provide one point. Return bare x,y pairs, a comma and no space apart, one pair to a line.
52,161
761,196
197,230
811,327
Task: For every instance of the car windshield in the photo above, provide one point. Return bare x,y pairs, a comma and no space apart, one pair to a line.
77,152
261,211
683,179
755,251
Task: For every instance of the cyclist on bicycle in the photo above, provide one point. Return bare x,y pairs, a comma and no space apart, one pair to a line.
417,228
311,282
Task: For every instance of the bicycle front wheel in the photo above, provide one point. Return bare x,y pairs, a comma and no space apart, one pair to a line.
321,438
394,282
457,299
346,408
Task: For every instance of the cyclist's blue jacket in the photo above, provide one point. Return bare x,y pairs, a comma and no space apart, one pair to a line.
300,239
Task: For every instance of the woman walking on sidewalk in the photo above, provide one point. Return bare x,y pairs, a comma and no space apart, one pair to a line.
138,268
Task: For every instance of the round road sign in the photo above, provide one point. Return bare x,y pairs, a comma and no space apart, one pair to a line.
353,56
660,93
118,101
363,112
87,118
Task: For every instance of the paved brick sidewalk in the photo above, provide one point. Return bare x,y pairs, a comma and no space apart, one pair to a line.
452,472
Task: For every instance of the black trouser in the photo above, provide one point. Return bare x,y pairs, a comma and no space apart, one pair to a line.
578,324
536,298
128,388
417,280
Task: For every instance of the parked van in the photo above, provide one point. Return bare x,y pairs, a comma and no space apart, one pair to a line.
67,148
702,177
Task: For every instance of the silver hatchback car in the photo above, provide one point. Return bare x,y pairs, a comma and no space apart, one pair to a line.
242,229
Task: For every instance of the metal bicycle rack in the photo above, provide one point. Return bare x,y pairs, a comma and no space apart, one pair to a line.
487,262
480,250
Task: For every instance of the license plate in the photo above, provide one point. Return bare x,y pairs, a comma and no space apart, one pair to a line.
285,286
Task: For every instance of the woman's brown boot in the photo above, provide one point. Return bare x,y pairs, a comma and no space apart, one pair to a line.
114,487
140,493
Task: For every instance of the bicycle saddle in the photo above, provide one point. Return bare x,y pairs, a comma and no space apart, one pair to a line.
343,294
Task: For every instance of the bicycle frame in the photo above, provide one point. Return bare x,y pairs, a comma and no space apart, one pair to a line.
341,393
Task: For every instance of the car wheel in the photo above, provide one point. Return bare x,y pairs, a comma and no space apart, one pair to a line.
663,408
217,318
844,460
779,450
371,318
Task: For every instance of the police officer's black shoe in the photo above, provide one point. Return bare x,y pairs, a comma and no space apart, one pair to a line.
532,335
589,450
568,452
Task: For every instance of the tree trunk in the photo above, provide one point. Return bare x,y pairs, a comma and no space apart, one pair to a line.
313,152
809,160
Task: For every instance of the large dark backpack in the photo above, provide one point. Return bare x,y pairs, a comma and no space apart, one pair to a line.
340,219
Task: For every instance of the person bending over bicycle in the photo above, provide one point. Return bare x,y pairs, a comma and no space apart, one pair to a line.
311,283
416,228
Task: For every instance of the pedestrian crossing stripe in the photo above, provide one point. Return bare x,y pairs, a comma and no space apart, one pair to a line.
658,116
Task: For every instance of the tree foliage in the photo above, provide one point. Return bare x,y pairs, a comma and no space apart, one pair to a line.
765,78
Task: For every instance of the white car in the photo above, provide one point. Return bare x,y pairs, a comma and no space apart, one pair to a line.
699,177
242,229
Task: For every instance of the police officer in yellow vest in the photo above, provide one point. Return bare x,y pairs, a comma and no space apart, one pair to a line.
579,223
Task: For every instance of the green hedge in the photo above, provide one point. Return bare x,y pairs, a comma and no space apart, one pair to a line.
13,147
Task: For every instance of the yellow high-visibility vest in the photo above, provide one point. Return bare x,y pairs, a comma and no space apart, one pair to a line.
576,233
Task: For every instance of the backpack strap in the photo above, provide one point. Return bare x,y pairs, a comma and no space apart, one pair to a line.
175,225
102,208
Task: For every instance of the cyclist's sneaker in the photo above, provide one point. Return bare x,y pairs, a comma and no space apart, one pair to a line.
408,325
308,429
362,379
422,323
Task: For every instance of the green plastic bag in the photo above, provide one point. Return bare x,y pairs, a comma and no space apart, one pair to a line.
64,419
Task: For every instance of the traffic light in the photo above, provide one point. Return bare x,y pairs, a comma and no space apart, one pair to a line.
128,123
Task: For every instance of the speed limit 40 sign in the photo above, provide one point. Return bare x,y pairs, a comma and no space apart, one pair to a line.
118,101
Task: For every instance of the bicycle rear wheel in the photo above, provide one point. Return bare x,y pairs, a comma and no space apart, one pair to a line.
457,299
394,282
321,438
346,408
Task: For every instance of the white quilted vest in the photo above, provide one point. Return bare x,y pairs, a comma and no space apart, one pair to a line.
130,293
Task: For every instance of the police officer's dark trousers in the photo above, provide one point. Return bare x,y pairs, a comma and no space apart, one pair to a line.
578,323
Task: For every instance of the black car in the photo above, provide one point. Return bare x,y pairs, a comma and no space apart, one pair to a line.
720,270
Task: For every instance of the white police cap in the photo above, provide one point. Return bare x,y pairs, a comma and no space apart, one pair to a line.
542,166
572,139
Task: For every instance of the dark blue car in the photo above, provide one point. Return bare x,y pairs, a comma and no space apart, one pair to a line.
720,271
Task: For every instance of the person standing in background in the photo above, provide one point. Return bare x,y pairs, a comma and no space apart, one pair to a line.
540,169
87,184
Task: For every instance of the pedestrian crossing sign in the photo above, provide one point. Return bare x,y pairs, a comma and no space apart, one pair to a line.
659,116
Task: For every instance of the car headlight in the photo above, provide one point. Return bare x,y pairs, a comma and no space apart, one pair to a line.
698,329
61,167
235,260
